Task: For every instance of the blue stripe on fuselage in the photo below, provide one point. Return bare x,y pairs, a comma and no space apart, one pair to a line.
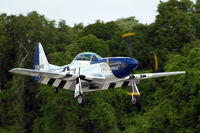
120,66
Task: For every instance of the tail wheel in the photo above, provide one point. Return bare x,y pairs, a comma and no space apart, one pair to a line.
81,99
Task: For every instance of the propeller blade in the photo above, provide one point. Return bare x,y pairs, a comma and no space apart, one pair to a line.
128,39
128,34
156,62
130,93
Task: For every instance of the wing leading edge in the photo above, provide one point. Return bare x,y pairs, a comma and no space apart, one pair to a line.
156,75
31,72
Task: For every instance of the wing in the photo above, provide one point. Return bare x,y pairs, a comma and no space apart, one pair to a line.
137,77
89,82
33,73
156,75
62,79
53,74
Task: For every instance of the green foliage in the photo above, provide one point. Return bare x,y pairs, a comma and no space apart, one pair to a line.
93,44
9,129
173,25
65,34
169,104
127,24
117,43
101,30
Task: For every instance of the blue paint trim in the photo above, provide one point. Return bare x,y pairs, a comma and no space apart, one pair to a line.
36,60
120,66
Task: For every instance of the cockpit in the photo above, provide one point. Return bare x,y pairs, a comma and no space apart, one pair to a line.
87,57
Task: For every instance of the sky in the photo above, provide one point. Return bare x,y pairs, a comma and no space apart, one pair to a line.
84,11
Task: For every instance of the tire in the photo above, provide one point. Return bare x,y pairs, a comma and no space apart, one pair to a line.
81,99
56,90
136,100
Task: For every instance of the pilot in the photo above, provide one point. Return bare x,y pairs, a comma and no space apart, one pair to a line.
94,58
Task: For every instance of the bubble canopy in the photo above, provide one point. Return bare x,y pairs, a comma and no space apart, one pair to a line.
87,56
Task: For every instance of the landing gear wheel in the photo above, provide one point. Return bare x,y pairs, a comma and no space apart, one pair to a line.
56,90
81,99
136,101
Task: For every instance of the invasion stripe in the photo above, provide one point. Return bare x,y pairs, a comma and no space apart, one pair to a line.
51,81
119,84
125,83
77,81
56,82
68,85
62,84
44,80
112,85
105,86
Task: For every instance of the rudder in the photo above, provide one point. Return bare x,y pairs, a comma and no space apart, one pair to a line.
40,59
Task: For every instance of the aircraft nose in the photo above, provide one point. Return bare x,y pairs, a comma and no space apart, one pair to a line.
132,64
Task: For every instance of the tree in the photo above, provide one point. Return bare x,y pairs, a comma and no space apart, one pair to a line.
127,24
65,35
101,30
169,104
90,43
173,25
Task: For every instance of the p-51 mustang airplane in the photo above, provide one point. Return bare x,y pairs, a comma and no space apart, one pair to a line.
89,72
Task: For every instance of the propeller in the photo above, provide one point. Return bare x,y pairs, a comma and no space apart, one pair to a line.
131,93
128,38
129,41
135,94
156,62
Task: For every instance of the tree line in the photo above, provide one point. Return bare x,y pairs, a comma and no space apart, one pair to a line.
170,104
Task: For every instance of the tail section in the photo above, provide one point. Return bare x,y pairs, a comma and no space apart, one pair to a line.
40,59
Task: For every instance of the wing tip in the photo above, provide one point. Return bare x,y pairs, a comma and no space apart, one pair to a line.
181,72
12,70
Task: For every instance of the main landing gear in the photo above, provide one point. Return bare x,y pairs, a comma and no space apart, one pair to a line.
81,98
135,95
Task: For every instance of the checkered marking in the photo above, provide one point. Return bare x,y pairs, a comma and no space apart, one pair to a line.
116,85
68,84
56,82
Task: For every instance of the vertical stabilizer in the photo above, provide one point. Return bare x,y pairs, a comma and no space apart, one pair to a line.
40,59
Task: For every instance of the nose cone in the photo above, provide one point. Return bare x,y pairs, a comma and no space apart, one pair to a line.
122,66
132,64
